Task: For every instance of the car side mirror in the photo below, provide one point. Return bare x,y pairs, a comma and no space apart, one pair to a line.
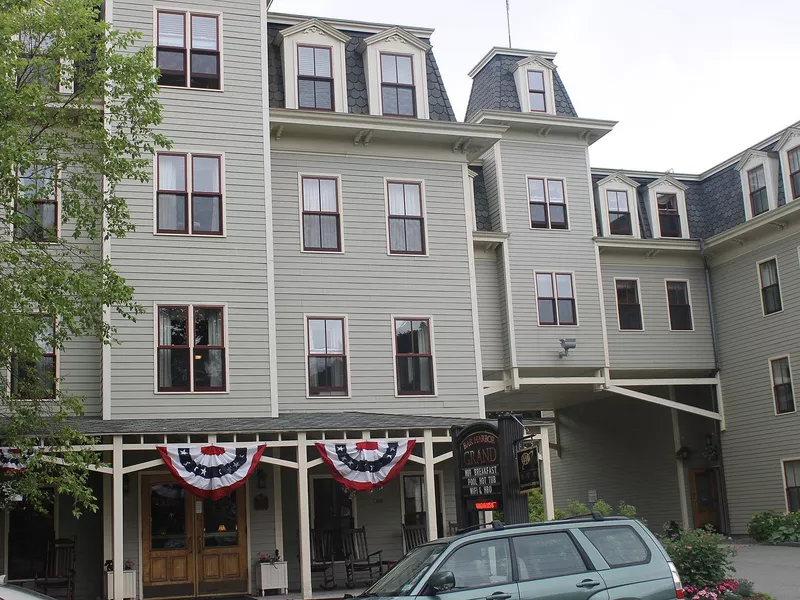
442,581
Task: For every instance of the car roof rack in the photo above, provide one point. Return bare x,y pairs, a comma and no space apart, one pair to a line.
593,517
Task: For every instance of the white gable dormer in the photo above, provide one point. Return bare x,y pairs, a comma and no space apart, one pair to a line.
615,196
534,79
387,56
788,148
666,208
314,33
758,172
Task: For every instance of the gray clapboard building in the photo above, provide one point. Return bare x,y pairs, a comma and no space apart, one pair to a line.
327,253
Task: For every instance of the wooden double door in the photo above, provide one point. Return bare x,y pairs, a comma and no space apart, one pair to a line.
192,547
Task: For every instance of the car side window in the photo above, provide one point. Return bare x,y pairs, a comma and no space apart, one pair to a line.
480,564
619,546
544,555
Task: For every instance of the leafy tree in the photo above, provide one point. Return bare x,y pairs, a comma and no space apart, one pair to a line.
77,116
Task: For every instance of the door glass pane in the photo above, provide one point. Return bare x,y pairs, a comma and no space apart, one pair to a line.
480,564
220,522
167,516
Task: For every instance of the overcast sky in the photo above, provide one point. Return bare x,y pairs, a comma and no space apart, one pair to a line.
691,82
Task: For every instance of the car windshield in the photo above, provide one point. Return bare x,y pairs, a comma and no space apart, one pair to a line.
406,574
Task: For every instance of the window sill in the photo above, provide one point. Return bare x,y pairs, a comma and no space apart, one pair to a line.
408,254
310,397
396,395
777,312
304,251
549,228
186,87
191,235
192,393
788,412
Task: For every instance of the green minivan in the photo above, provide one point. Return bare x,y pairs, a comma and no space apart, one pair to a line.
610,558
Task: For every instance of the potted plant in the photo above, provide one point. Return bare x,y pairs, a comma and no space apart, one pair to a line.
683,453
272,572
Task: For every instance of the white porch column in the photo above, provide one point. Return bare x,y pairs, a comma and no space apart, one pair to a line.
118,557
108,513
430,487
545,477
277,503
676,437
304,516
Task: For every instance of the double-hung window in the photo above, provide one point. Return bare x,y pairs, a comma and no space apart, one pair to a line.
191,349
782,391
413,357
792,474
629,307
174,212
536,93
406,220
548,203
397,85
757,182
315,77
37,209
555,299
669,218
771,300
195,66
327,357
619,213
321,217
794,171
680,306
36,379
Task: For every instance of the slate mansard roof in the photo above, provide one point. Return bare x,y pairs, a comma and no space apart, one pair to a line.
357,97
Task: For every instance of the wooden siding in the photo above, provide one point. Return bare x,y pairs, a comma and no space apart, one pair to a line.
747,341
492,197
80,371
491,309
189,269
657,347
370,286
534,250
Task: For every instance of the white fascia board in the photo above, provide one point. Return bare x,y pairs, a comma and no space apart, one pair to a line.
649,244
587,129
395,31
617,176
309,24
772,218
509,52
348,25
664,402
668,179
643,174
749,155
790,133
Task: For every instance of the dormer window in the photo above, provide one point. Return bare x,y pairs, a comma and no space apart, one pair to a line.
794,172
616,202
619,213
758,171
397,85
669,218
536,93
315,77
757,182
666,208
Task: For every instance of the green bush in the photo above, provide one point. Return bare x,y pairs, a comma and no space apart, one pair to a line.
700,556
603,507
769,526
576,508
626,510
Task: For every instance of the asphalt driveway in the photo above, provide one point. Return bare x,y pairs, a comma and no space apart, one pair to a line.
774,569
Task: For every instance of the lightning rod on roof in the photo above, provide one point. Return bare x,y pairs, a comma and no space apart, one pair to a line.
508,22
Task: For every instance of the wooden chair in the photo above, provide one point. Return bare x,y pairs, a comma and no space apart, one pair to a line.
414,535
322,551
358,558
59,569
452,528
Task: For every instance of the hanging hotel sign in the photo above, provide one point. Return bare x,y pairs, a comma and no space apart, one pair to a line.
211,471
479,467
528,469
364,466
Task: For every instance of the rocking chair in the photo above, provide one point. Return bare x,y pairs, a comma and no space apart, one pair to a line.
358,558
59,569
322,551
414,535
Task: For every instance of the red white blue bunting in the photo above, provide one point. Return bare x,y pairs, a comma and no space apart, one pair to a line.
363,466
211,471
12,459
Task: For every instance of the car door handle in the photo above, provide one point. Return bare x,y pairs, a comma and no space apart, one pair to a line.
588,584
499,596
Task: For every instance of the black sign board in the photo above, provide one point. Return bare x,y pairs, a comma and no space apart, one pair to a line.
479,467
528,469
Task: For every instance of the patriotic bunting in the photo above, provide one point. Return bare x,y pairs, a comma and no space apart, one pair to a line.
211,471
12,459
363,466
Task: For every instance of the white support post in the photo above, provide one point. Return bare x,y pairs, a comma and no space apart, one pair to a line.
277,503
304,516
119,549
545,478
108,517
430,487
676,437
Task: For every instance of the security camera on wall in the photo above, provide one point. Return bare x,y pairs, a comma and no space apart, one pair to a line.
567,344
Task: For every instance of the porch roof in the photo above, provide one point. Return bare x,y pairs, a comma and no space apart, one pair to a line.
324,421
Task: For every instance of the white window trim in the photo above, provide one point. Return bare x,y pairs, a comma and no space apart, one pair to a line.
752,160
413,317
760,286
190,322
552,274
783,476
638,297
618,183
314,32
189,186
340,207
187,28
535,63
396,40
547,179
57,369
789,141
772,384
346,338
691,304
421,182
667,185
440,505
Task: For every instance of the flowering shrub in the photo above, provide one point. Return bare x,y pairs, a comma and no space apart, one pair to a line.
701,558
712,592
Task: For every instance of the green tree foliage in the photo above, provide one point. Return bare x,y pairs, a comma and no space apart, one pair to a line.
77,116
